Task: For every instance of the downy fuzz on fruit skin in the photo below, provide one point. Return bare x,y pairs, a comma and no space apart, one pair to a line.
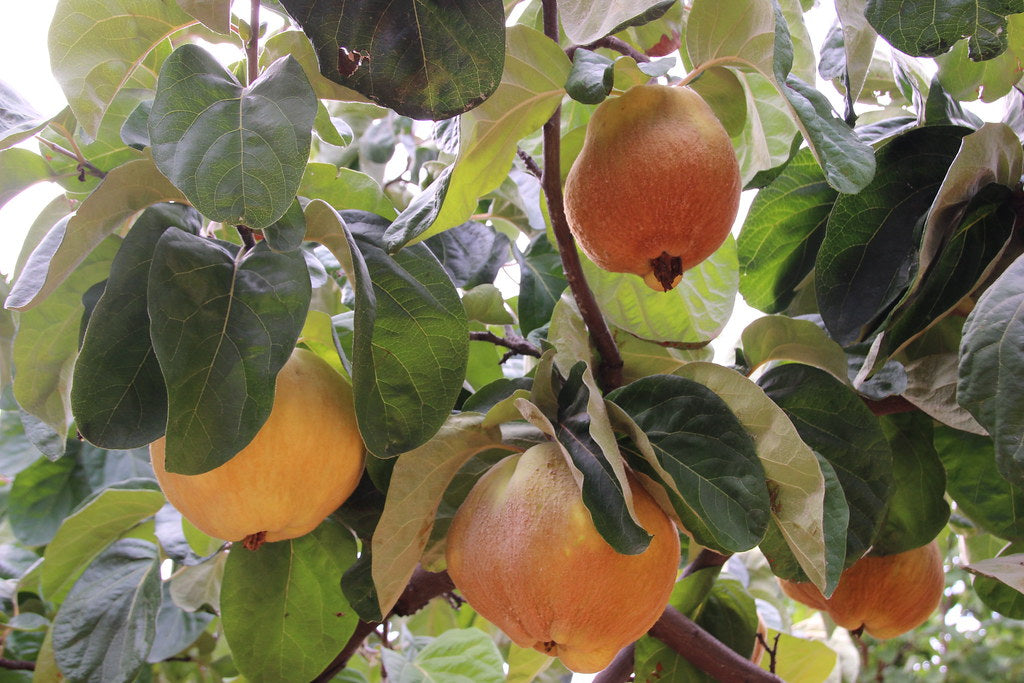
303,463
885,595
524,552
656,187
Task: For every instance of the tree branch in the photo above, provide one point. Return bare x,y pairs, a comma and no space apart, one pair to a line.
612,43
514,342
621,668
252,47
17,664
609,372
705,558
84,167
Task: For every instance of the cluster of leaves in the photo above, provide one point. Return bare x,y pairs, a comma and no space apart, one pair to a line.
882,247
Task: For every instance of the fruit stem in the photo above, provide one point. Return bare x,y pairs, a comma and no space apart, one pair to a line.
254,541
609,372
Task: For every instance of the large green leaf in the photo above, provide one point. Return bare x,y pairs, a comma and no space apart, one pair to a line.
777,337
47,342
531,88
472,253
122,193
18,119
93,526
974,483
782,233
95,47
345,188
222,325
176,629
992,368
702,454
541,283
424,60
282,608
107,624
118,396
989,80
405,384
19,169
866,258
42,495
694,311
584,21
926,28
833,420
456,656
917,508
237,152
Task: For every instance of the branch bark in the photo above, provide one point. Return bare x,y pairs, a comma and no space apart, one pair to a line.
515,343
252,47
609,372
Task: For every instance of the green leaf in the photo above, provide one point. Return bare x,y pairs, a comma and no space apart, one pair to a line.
124,192
531,88
19,169
236,152
47,342
222,326
176,629
926,28
425,61
418,483
782,233
90,66
485,304
833,420
42,495
107,624
287,233
195,587
541,283
1000,583
694,311
769,135
118,396
805,660
931,386
87,531
18,119
866,258
701,452
975,484
591,78
795,481
918,510
282,608
405,385
459,656
989,80
296,44
215,14
777,337
992,367
345,188
584,22
472,253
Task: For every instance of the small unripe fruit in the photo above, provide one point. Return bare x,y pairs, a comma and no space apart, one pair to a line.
885,595
524,552
656,187
303,463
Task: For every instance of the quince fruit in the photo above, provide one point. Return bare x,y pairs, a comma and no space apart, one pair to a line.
656,187
884,595
524,552
302,464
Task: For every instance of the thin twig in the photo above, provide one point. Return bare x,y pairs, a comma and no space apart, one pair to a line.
17,664
705,558
248,240
513,342
609,372
612,43
531,163
84,167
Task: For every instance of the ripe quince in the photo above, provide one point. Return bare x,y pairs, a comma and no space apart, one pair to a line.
302,464
525,554
656,187
885,595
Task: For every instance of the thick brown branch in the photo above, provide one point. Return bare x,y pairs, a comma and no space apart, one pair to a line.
621,668
609,374
515,343
705,652
705,558
612,43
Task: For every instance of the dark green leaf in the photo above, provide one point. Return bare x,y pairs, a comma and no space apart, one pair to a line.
710,460
282,608
107,624
405,383
236,152
591,78
992,368
602,491
176,629
287,232
43,494
118,397
472,253
782,233
833,420
135,131
222,326
495,392
378,143
926,28
424,60
974,483
918,510
870,247
541,283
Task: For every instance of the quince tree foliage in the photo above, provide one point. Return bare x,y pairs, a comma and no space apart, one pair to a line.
380,183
